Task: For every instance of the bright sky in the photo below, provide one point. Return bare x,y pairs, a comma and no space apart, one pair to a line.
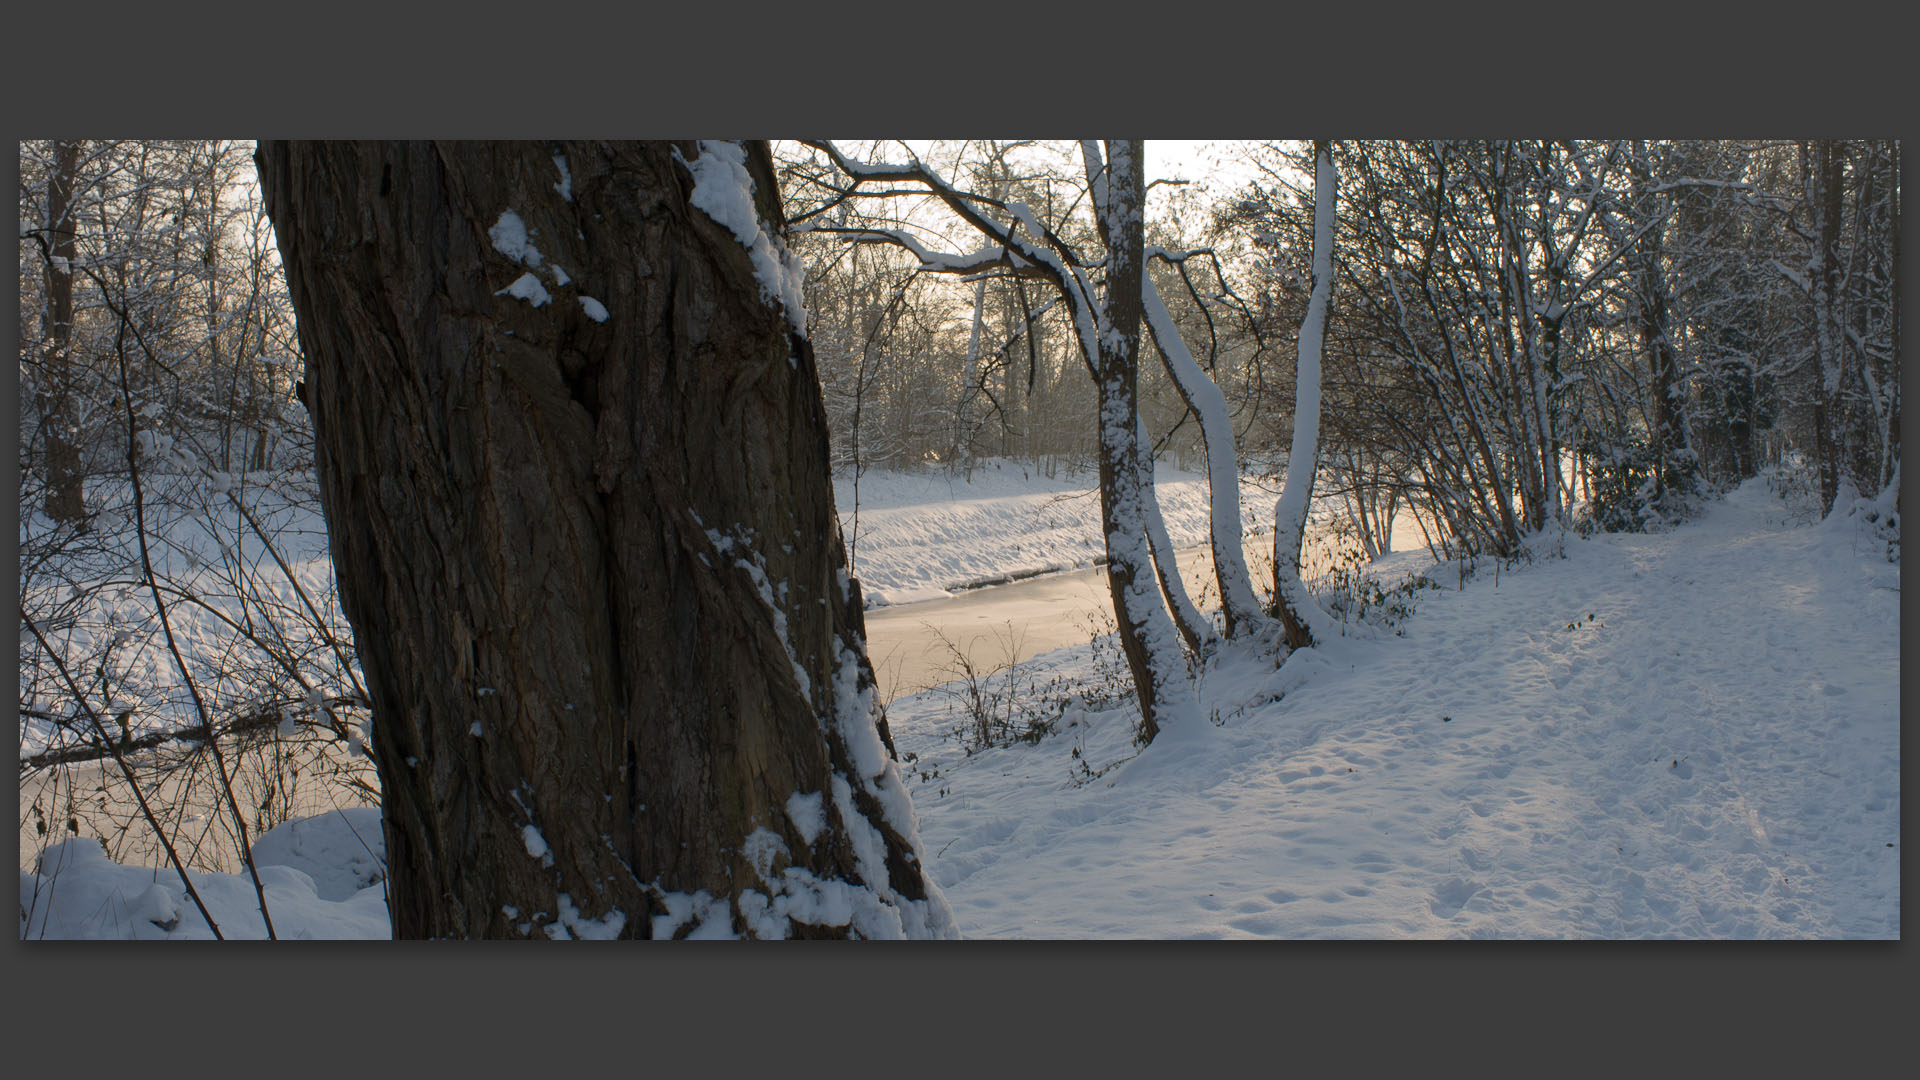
1211,163
1208,162
1212,166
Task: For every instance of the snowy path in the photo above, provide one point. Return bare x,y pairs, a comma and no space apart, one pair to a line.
1714,754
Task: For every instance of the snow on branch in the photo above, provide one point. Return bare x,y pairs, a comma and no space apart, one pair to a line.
1747,192
944,262
1799,280
966,205
1050,257
1155,251
1025,216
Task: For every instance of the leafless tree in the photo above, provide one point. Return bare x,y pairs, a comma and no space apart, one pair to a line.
1106,325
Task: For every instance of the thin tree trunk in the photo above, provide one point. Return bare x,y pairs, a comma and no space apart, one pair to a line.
1202,395
1827,169
1193,626
1147,634
66,501
1298,612
1669,418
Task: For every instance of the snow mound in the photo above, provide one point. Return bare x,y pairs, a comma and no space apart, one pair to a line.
76,892
342,852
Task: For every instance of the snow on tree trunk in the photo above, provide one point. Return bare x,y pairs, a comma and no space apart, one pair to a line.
1202,395
1147,634
972,379
1108,332
1193,626
1301,617
617,663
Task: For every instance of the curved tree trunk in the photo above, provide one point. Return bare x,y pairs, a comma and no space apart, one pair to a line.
1300,616
1194,628
1209,406
574,463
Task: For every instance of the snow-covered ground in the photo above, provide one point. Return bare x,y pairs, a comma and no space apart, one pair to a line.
1690,734
322,877
1686,734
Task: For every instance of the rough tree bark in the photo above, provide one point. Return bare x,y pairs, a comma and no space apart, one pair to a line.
573,457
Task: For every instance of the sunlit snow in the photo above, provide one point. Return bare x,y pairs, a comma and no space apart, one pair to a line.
526,287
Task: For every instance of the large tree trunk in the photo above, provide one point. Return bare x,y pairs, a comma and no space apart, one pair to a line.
65,499
574,465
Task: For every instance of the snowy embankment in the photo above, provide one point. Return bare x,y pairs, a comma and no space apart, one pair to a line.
922,536
219,572
1686,734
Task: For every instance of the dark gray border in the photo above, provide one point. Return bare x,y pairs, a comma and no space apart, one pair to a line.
1202,71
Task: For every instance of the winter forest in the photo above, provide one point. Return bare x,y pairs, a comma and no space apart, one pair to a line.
967,538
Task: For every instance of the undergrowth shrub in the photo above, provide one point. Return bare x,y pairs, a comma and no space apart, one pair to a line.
1625,491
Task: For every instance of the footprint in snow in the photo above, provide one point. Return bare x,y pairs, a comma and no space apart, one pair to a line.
1452,895
1372,861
